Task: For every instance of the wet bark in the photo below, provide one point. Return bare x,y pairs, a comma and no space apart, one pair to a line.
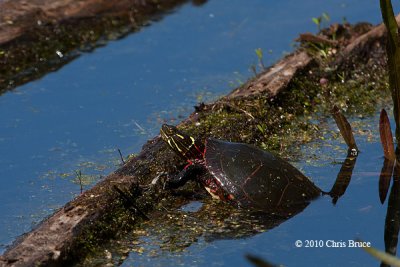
63,237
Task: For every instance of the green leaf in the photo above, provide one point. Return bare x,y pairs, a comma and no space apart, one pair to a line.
326,17
260,128
393,51
323,53
259,53
317,21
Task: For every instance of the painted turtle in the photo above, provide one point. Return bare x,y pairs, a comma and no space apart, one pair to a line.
239,173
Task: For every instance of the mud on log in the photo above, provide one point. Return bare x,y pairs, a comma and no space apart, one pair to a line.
98,214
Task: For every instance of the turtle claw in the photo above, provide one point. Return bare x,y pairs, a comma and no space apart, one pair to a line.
154,182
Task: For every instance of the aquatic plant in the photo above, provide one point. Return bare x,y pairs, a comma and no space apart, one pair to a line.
319,20
393,53
260,55
345,129
383,256
79,178
391,166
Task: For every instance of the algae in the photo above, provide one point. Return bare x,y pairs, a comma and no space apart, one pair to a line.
281,123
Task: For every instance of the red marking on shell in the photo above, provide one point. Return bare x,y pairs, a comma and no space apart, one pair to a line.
202,153
252,174
189,163
205,149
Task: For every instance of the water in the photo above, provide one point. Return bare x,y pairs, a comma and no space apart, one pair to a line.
358,214
118,95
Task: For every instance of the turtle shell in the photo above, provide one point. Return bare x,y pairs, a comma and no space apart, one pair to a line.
255,178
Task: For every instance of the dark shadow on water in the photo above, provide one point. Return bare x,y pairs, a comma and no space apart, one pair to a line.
344,177
237,224
392,221
390,168
385,178
173,230
49,47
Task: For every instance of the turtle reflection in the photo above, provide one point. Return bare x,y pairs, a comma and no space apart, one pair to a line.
209,220
202,218
215,220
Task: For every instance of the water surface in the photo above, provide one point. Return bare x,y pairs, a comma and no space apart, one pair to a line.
358,214
118,96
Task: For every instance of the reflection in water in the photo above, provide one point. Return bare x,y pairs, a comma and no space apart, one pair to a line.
170,231
175,230
392,221
167,234
242,223
222,221
199,2
344,176
384,179
346,171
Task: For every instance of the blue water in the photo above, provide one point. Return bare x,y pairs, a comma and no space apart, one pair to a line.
358,214
118,95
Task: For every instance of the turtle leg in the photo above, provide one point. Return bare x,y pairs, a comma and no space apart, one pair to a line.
191,172
154,182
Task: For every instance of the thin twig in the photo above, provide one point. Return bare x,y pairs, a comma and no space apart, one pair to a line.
79,176
120,154
224,103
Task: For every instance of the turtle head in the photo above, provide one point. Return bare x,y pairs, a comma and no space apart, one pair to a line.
183,144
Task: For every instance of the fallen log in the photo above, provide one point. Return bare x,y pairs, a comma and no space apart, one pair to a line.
263,107
40,36
19,17
280,74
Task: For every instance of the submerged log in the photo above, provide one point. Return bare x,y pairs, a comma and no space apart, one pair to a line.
98,214
18,17
39,36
